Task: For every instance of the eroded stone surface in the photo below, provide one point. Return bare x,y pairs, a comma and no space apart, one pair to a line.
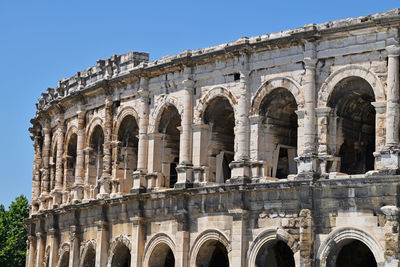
273,149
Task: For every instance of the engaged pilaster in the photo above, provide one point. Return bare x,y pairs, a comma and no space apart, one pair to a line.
307,160
389,156
241,165
79,174
45,185
185,167
56,193
139,176
105,178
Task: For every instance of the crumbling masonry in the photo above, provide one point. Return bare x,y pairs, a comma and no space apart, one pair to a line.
275,150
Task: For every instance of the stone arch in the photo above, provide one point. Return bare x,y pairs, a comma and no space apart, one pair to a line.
208,235
342,234
97,121
63,253
118,241
156,240
161,103
350,71
71,130
272,84
125,111
269,236
86,249
208,97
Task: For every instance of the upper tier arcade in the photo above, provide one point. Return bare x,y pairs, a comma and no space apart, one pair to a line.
317,102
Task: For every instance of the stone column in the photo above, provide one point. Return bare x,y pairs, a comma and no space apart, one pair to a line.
137,241
307,160
326,122
101,244
31,251
239,226
40,247
106,176
389,156
154,162
392,108
200,152
391,237
185,167
79,170
256,147
53,257
75,246
45,185
37,158
59,164
139,176
380,132
240,166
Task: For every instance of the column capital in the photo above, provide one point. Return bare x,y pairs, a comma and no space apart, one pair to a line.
393,50
380,107
47,130
310,63
102,225
52,232
324,111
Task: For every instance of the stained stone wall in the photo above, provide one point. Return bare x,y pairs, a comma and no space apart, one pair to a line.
275,150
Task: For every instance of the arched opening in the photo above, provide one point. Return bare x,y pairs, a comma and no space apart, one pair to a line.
64,262
169,127
212,254
220,117
355,131
275,254
125,154
90,258
122,256
280,132
70,163
349,253
162,256
94,159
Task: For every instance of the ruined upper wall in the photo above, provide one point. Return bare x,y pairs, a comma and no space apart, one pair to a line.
135,63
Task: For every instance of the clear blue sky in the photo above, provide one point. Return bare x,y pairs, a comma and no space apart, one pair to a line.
44,41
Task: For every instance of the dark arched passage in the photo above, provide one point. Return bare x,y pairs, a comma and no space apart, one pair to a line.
355,132
275,254
212,254
162,256
121,257
169,127
219,115
351,253
280,132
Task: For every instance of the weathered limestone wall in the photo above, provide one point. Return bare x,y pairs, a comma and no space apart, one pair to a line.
281,147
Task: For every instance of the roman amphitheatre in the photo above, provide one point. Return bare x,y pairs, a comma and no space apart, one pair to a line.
275,150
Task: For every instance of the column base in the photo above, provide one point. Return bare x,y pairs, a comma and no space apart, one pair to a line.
307,167
78,193
240,172
185,176
139,182
388,160
56,194
115,188
104,188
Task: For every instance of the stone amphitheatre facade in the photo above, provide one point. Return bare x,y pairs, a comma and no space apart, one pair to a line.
276,150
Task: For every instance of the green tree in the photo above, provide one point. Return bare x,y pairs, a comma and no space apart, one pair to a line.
12,233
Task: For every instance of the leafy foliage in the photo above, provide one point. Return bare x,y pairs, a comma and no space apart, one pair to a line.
12,233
